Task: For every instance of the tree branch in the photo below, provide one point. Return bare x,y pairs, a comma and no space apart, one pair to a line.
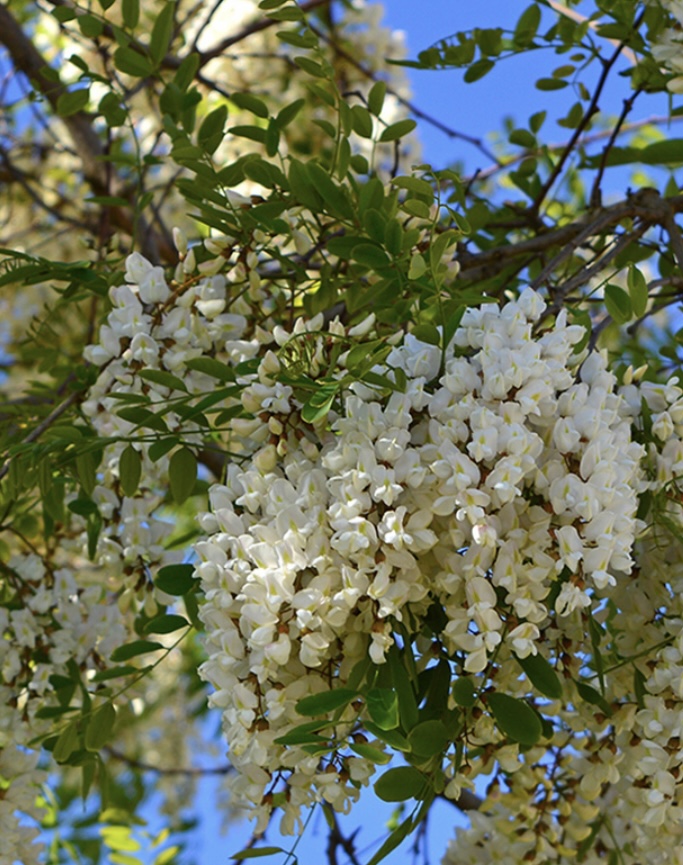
646,205
585,120
45,424
191,771
86,142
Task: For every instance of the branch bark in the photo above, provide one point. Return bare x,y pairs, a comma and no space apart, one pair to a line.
646,205
86,142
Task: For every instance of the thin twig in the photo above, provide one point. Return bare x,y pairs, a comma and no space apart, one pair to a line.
45,424
86,142
190,772
585,120
646,204
596,195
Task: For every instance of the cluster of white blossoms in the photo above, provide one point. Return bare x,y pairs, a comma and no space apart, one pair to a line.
667,48
19,782
497,481
501,483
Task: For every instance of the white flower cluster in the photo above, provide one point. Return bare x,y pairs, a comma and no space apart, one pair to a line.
20,784
667,48
501,483
154,327
616,779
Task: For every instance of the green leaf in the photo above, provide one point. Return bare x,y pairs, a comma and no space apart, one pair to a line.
162,32
166,624
130,470
319,404
289,13
426,333
90,26
66,743
403,685
182,474
382,706
119,838
527,25
289,113
370,752
398,130
401,783
212,367
392,737
397,836
638,291
325,702
88,771
362,121
165,379
132,650
304,734
429,738
130,10
176,580
639,687
186,72
417,208
258,852
115,673
376,97
515,718
212,130
522,137
370,256
86,466
542,676
160,448
478,70
317,70
618,304
100,727
334,196
132,62
551,84
464,692
302,186
298,40
667,152
72,102
418,268
594,697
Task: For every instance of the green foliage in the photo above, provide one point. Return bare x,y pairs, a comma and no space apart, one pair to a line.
332,218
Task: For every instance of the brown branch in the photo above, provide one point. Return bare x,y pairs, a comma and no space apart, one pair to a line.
674,233
86,142
250,29
336,839
596,193
591,111
45,424
173,61
646,205
190,772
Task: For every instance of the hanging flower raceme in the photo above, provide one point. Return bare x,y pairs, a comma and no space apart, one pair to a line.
475,519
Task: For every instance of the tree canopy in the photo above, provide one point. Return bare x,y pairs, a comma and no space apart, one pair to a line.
374,461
